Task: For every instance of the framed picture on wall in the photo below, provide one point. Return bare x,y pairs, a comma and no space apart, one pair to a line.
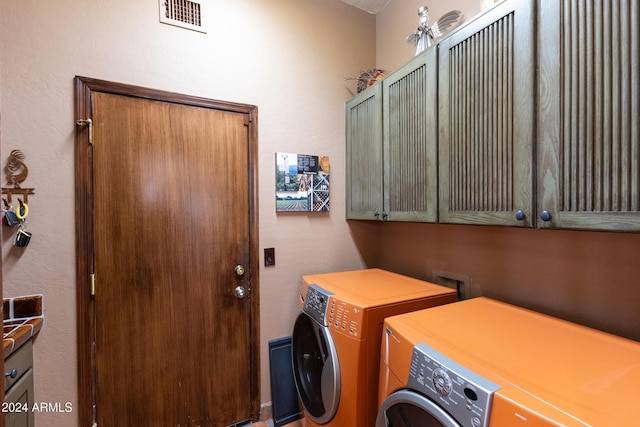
302,183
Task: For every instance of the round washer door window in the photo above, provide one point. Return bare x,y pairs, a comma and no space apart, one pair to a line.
316,369
406,408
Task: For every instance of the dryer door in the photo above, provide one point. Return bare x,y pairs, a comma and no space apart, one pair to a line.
316,369
406,408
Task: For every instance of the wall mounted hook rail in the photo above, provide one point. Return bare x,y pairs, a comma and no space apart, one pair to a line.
17,171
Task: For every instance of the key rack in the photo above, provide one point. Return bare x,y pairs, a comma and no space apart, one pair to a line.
17,171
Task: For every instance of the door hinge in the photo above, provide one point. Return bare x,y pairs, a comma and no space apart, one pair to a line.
92,284
87,122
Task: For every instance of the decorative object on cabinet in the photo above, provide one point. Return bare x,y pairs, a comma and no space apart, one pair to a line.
368,78
302,183
425,35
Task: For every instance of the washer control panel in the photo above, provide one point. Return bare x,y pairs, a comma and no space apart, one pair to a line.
461,392
316,302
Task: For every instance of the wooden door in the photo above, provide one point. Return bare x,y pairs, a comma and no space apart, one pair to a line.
590,114
486,119
173,215
364,154
410,117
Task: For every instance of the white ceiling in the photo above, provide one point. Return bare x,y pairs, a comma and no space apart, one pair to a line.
371,6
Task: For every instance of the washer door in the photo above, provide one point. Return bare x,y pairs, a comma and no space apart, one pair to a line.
316,369
406,408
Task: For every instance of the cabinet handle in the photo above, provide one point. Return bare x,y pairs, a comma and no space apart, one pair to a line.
12,373
520,215
376,214
545,216
384,215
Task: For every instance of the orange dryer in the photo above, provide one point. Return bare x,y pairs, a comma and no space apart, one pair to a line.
336,340
482,363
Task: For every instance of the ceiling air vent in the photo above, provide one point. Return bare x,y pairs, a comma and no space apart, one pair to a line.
183,13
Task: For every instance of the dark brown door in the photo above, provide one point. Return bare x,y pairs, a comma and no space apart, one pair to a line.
172,219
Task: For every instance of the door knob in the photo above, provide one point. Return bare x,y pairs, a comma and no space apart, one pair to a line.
239,292
239,270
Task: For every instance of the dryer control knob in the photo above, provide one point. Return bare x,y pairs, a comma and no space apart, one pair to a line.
442,382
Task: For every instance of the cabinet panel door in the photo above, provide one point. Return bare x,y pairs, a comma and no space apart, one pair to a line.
589,133
486,91
364,154
20,396
410,140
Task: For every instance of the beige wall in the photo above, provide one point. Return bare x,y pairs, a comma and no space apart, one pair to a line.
585,277
290,58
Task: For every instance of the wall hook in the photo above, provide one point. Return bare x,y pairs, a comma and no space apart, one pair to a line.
87,122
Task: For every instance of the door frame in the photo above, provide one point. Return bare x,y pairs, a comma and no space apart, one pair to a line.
85,310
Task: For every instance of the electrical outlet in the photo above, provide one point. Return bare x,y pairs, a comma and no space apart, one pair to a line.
269,256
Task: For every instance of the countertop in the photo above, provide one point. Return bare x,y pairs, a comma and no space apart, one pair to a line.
23,319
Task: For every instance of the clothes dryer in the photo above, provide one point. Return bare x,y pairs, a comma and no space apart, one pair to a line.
482,363
336,340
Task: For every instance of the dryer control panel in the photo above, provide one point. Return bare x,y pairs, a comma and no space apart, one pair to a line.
345,318
461,392
315,304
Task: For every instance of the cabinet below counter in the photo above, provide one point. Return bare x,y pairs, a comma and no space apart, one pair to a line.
23,319
18,387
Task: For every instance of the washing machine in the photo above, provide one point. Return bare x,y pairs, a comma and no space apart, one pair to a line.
336,340
481,362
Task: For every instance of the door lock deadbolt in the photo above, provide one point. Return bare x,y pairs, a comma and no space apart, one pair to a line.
239,270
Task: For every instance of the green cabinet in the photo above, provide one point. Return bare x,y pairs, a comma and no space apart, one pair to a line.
391,145
18,387
486,114
364,154
589,114
528,115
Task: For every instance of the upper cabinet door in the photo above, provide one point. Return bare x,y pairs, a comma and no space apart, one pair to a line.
589,153
364,154
410,123
486,116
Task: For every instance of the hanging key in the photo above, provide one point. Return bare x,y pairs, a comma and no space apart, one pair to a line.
10,219
22,237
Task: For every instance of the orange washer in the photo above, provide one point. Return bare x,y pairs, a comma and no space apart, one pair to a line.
547,372
336,340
